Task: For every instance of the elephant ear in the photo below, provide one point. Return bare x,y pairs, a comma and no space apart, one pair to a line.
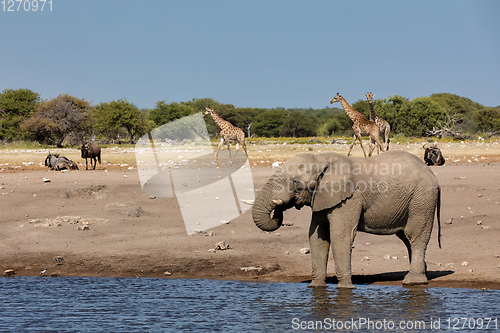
335,184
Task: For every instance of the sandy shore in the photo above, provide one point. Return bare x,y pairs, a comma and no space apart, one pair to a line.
129,234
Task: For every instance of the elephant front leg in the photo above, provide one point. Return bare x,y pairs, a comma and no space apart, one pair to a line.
343,226
319,242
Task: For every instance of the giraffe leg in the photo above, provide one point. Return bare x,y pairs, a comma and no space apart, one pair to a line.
379,144
352,144
217,153
244,148
237,148
386,138
361,144
229,150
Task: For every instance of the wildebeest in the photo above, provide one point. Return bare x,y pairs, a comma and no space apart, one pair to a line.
93,151
433,156
59,163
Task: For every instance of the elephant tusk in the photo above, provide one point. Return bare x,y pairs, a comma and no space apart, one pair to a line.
278,202
248,202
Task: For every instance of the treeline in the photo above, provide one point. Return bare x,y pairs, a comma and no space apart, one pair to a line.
67,119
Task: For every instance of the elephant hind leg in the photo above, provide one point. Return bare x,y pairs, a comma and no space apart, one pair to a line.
401,235
417,245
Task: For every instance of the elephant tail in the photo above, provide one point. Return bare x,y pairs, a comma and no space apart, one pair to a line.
439,216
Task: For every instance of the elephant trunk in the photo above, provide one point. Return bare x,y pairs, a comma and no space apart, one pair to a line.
266,215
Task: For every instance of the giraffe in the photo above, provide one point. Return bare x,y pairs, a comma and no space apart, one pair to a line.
385,128
228,133
361,126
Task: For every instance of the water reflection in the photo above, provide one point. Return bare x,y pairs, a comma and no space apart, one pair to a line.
374,302
97,304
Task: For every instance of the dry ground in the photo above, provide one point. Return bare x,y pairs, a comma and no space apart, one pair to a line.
131,234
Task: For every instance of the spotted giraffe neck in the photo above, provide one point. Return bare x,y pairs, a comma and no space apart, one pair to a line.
373,114
353,114
218,120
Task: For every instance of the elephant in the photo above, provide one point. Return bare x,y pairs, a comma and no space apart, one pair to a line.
391,193
93,151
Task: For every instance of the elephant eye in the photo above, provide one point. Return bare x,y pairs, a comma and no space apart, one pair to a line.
298,185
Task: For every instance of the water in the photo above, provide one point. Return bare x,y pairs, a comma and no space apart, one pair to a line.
167,305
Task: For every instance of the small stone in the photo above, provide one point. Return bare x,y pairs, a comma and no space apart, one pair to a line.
221,246
479,222
497,255
46,180
394,258
471,271
485,227
152,197
9,272
305,250
465,263
387,257
83,228
167,273
59,259
450,221
479,195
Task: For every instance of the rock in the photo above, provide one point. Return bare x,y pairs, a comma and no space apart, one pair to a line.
46,180
83,228
450,221
59,259
9,272
387,257
465,263
287,224
251,269
305,250
485,227
221,246
167,273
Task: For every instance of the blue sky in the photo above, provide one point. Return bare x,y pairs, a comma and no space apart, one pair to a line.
253,53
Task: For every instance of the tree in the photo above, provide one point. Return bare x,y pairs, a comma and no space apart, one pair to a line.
459,108
487,119
298,124
16,105
390,109
164,113
113,116
55,119
268,123
420,114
